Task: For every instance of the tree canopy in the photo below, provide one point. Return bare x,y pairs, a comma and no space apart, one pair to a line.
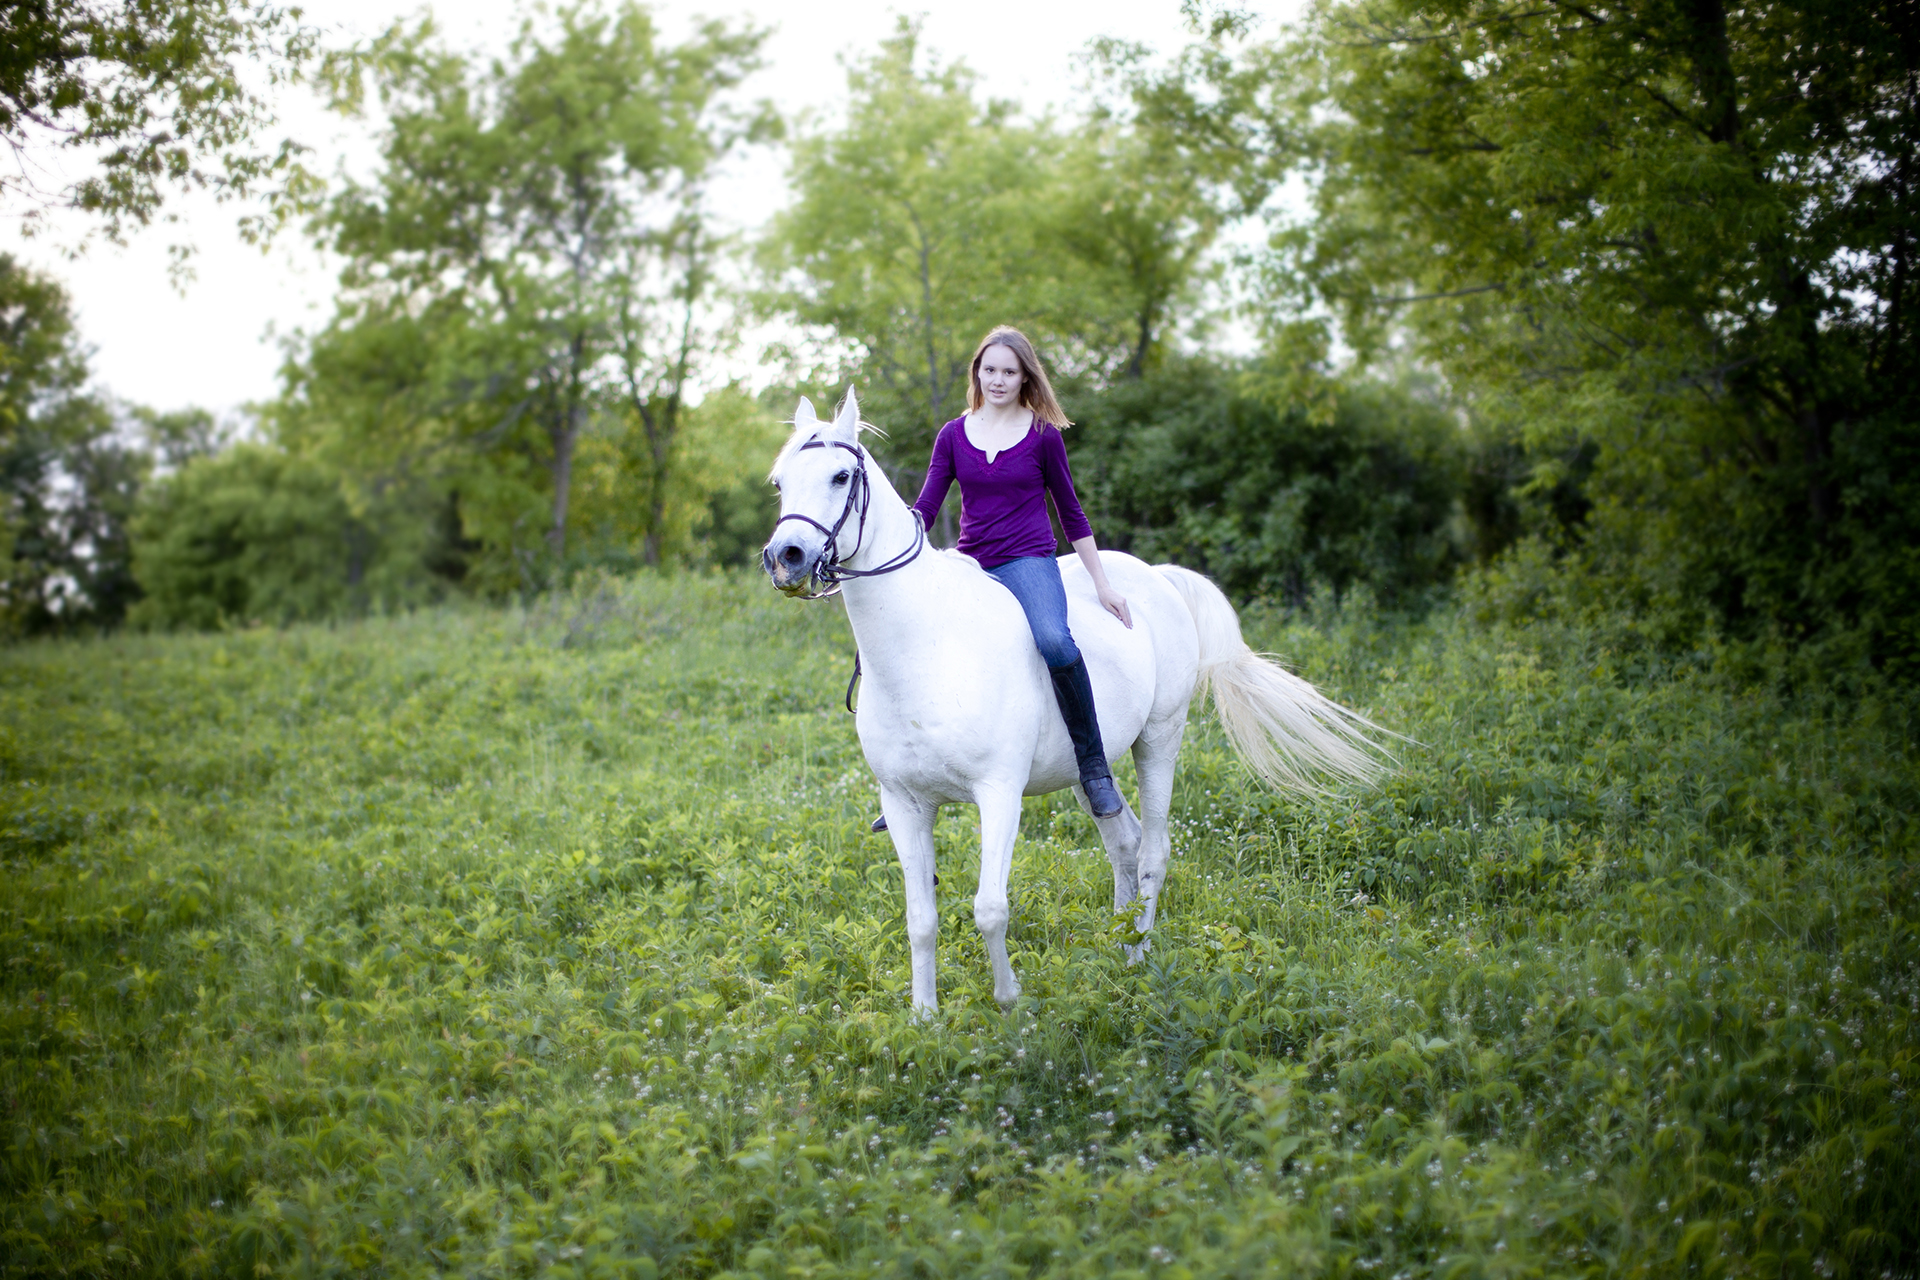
67,480
929,215
1680,233
533,260
1629,286
157,96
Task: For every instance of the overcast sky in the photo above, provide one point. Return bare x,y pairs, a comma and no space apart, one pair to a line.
213,345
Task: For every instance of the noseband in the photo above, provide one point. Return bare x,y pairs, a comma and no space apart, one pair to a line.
859,495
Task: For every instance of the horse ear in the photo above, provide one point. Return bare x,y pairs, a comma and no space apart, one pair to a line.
804,416
847,425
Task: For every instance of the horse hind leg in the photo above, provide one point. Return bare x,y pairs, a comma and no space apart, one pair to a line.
1155,755
1121,836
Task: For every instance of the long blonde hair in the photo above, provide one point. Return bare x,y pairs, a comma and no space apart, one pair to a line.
1036,393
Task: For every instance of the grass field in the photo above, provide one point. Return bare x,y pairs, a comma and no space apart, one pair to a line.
551,942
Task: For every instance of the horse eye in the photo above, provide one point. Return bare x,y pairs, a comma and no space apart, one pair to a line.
841,478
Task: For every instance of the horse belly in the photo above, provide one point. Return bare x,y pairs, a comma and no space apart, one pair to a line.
942,743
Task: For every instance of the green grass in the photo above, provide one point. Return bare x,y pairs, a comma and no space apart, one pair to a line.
552,943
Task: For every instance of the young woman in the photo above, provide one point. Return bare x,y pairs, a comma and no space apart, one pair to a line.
1008,455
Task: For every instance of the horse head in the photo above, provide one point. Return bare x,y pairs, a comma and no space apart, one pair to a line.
820,473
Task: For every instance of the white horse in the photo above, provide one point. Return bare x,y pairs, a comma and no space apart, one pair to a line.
956,706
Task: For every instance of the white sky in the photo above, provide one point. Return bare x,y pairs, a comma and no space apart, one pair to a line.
212,345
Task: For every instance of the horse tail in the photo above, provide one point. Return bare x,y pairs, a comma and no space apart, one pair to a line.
1281,726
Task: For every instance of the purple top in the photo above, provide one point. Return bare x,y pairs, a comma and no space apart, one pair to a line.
1003,505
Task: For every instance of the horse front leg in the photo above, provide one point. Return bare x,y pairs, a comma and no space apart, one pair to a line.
910,823
999,827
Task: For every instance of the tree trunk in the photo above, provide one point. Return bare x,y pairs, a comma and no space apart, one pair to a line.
1800,308
563,441
1711,53
660,415
936,394
660,438
1137,366
563,432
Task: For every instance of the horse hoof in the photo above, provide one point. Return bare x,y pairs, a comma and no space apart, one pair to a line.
878,825
1103,797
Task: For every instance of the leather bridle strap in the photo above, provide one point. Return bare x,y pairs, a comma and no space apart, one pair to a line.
859,495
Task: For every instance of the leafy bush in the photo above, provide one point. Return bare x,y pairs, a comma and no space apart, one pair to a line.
256,535
1272,492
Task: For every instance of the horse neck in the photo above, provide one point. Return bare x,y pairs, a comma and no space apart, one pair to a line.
890,526
891,530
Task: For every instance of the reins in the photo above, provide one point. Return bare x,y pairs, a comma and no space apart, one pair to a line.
830,570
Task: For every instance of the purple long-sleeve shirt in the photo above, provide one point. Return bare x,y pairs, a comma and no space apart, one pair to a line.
1003,503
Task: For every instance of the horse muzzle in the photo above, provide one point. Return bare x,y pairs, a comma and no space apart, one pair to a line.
790,566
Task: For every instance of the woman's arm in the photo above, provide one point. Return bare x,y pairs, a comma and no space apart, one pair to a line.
1110,600
939,479
1059,482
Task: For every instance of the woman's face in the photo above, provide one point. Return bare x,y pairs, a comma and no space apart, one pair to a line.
1000,376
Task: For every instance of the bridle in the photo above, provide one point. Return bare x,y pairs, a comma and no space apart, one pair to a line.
828,568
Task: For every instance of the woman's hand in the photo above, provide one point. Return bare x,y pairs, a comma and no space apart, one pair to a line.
1110,600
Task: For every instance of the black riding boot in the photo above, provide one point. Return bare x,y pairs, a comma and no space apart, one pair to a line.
1074,692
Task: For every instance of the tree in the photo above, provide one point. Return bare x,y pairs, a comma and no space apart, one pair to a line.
1142,195
177,437
1682,232
533,254
658,336
67,480
927,217
715,506
911,234
158,95
1135,226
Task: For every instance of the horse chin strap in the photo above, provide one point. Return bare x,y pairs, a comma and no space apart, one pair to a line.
829,569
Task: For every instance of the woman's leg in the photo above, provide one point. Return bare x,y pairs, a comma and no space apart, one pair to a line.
1035,583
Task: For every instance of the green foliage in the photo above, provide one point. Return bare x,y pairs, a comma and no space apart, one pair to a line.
912,233
256,535
930,216
715,507
1273,486
552,941
1680,234
156,96
531,263
178,437
67,485
263,534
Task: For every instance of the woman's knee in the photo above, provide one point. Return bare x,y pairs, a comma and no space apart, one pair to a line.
1057,647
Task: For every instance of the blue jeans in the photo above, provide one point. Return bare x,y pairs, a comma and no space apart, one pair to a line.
1035,583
